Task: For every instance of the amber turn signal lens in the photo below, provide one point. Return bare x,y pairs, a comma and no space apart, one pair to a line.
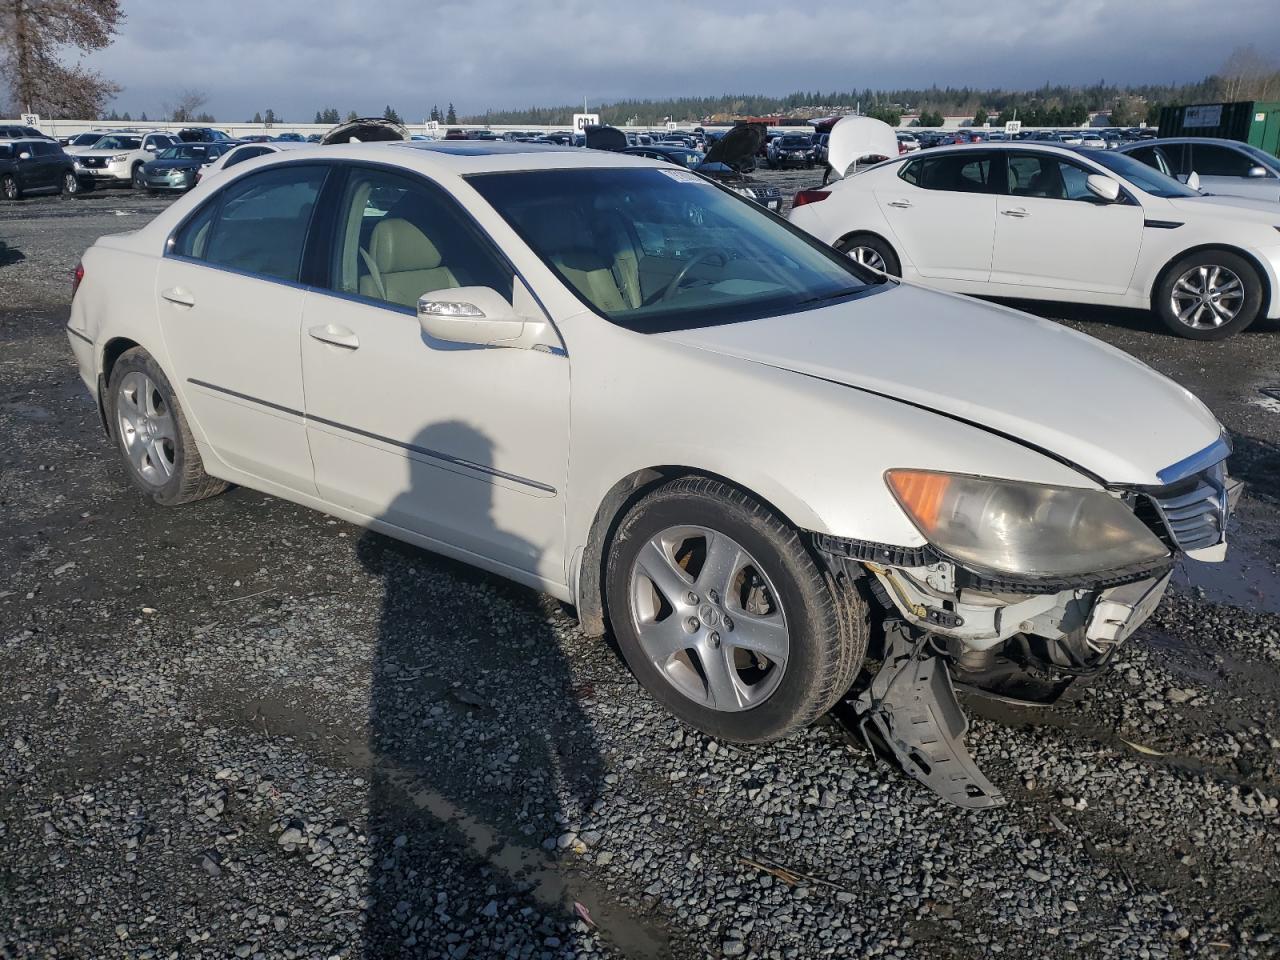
920,493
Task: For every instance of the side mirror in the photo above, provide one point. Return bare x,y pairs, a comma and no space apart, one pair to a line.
1193,180
479,316
150,148
24,155
1257,170
1103,188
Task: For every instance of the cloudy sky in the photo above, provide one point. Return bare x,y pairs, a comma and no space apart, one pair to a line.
297,56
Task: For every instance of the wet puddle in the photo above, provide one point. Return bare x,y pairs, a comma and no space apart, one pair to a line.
1248,578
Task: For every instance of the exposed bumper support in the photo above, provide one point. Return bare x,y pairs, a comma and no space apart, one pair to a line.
911,706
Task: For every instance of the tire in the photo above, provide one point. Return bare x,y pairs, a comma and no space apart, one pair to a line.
866,247
152,435
823,626
1223,312
9,188
70,185
137,182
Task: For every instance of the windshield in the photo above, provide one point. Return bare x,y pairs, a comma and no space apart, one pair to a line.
656,250
188,151
792,142
119,143
1147,179
85,139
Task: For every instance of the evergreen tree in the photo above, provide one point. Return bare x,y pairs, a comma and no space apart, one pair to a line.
390,114
270,118
451,116
980,117
143,118
352,115
319,117
126,118
257,118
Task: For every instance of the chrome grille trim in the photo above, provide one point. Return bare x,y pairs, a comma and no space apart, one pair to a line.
1194,510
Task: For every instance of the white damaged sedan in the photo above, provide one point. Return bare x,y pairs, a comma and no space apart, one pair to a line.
748,456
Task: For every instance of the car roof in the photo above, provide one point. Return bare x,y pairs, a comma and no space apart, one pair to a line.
1217,141
464,157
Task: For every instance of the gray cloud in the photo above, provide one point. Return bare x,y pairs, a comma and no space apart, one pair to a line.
297,56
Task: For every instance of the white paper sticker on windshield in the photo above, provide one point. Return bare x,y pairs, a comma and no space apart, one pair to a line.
684,176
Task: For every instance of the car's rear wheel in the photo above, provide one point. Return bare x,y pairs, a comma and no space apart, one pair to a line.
152,435
9,187
870,251
725,617
1209,295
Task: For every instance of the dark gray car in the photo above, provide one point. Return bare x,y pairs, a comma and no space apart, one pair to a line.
35,166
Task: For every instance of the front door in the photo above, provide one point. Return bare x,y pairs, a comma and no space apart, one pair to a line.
1053,234
942,210
230,308
465,446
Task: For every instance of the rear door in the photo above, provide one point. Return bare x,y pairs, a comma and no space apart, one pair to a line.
229,299
1053,234
942,209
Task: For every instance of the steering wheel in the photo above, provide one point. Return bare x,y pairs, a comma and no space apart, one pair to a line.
699,256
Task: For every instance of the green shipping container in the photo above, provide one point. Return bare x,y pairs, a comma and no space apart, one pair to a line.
1251,121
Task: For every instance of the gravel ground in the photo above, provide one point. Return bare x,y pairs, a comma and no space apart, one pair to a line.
243,729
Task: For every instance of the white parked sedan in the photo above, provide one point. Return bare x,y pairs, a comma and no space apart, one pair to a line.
1047,223
247,151
617,382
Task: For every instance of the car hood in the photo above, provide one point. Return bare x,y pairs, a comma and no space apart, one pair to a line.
104,153
738,146
1035,381
1237,208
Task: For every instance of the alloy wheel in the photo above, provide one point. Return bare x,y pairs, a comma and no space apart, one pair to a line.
867,256
10,188
147,429
70,184
709,618
1207,296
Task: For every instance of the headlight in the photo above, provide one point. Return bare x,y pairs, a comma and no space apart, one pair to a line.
120,158
747,192
1026,529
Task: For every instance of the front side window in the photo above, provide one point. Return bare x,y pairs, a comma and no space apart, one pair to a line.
1035,175
966,172
400,237
258,224
1211,160
664,249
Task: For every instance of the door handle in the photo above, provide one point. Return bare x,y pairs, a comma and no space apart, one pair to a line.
900,204
1016,212
338,336
178,296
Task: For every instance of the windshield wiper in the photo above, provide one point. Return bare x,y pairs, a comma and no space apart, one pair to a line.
833,296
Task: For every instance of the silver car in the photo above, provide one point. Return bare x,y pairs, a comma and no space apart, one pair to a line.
1226,167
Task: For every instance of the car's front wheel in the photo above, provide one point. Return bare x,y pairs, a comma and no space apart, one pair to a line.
152,435
70,184
1209,295
725,617
139,180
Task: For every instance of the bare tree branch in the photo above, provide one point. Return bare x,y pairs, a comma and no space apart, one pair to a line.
35,36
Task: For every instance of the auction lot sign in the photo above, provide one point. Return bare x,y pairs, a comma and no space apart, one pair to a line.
583,120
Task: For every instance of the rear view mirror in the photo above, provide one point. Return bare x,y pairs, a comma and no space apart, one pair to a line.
1103,187
479,316
1257,170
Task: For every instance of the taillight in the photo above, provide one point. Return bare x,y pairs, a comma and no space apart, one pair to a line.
809,196
76,278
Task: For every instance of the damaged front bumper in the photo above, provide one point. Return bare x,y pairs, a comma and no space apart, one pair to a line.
1023,639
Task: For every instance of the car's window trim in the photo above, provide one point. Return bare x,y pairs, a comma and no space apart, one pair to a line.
1081,162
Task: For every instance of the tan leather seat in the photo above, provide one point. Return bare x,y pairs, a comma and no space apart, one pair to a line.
403,264
565,239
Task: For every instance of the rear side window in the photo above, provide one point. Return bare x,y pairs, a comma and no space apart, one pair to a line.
258,224
957,172
43,149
